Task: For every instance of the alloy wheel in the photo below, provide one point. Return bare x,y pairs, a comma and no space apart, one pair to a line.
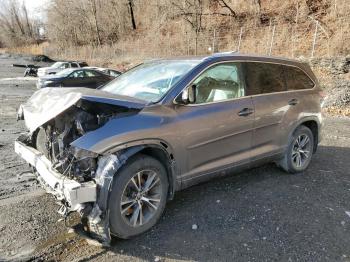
301,150
141,198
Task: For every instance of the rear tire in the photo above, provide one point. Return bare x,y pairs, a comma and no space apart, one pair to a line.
299,151
138,196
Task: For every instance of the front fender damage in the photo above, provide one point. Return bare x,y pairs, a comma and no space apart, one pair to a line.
97,218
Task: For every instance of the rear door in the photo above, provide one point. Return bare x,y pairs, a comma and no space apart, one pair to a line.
273,105
217,128
94,78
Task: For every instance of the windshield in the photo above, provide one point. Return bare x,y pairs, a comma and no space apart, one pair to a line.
57,64
65,72
150,81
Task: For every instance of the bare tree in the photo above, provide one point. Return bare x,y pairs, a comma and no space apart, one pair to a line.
16,27
94,14
223,4
132,16
192,12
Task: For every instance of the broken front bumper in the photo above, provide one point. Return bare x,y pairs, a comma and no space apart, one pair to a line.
72,193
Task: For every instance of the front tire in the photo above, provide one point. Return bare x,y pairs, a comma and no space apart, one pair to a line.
299,152
138,196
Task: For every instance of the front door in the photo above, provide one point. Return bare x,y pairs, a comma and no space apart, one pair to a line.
217,127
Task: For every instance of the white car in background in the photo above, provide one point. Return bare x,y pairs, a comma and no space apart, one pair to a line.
59,66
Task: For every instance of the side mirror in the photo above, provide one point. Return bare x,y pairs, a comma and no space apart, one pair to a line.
188,96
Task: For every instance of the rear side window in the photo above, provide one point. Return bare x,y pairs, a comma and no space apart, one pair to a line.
297,79
263,78
74,65
89,73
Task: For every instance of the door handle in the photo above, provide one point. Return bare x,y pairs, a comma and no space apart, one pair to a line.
293,102
246,111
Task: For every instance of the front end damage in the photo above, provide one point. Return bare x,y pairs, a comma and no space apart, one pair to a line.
78,178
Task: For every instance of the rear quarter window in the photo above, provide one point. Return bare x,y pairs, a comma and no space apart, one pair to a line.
296,79
264,78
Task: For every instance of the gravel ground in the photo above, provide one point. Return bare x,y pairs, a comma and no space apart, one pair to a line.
259,215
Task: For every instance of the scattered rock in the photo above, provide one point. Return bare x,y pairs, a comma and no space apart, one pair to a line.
338,96
194,227
335,65
94,242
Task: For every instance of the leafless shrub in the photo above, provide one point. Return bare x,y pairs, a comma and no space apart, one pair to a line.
109,30
16,28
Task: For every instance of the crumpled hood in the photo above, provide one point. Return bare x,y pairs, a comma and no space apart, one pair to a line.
47,103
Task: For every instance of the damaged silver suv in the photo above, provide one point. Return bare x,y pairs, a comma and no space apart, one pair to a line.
118,154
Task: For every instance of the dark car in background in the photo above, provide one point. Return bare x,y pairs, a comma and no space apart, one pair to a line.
78,77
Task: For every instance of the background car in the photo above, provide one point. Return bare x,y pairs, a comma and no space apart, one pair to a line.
108,71
80,77
59,66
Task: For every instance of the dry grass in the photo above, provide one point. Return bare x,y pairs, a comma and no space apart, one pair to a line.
29,49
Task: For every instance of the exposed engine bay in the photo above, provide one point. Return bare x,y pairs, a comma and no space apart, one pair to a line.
53,138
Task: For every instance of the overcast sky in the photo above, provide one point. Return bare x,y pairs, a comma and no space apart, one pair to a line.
36,7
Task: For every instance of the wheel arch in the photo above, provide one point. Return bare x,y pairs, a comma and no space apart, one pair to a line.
157,149
313,124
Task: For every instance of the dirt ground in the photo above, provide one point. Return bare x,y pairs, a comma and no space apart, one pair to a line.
258,215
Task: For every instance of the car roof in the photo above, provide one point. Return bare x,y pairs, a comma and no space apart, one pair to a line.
235,56
79,62
82,68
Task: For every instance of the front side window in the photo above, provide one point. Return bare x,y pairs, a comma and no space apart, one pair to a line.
297,79
77,74
64,65
57,65
218,83
263,78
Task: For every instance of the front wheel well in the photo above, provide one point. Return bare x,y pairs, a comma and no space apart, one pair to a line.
313,126
167,160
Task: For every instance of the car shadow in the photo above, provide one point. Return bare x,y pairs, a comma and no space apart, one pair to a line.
260,214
